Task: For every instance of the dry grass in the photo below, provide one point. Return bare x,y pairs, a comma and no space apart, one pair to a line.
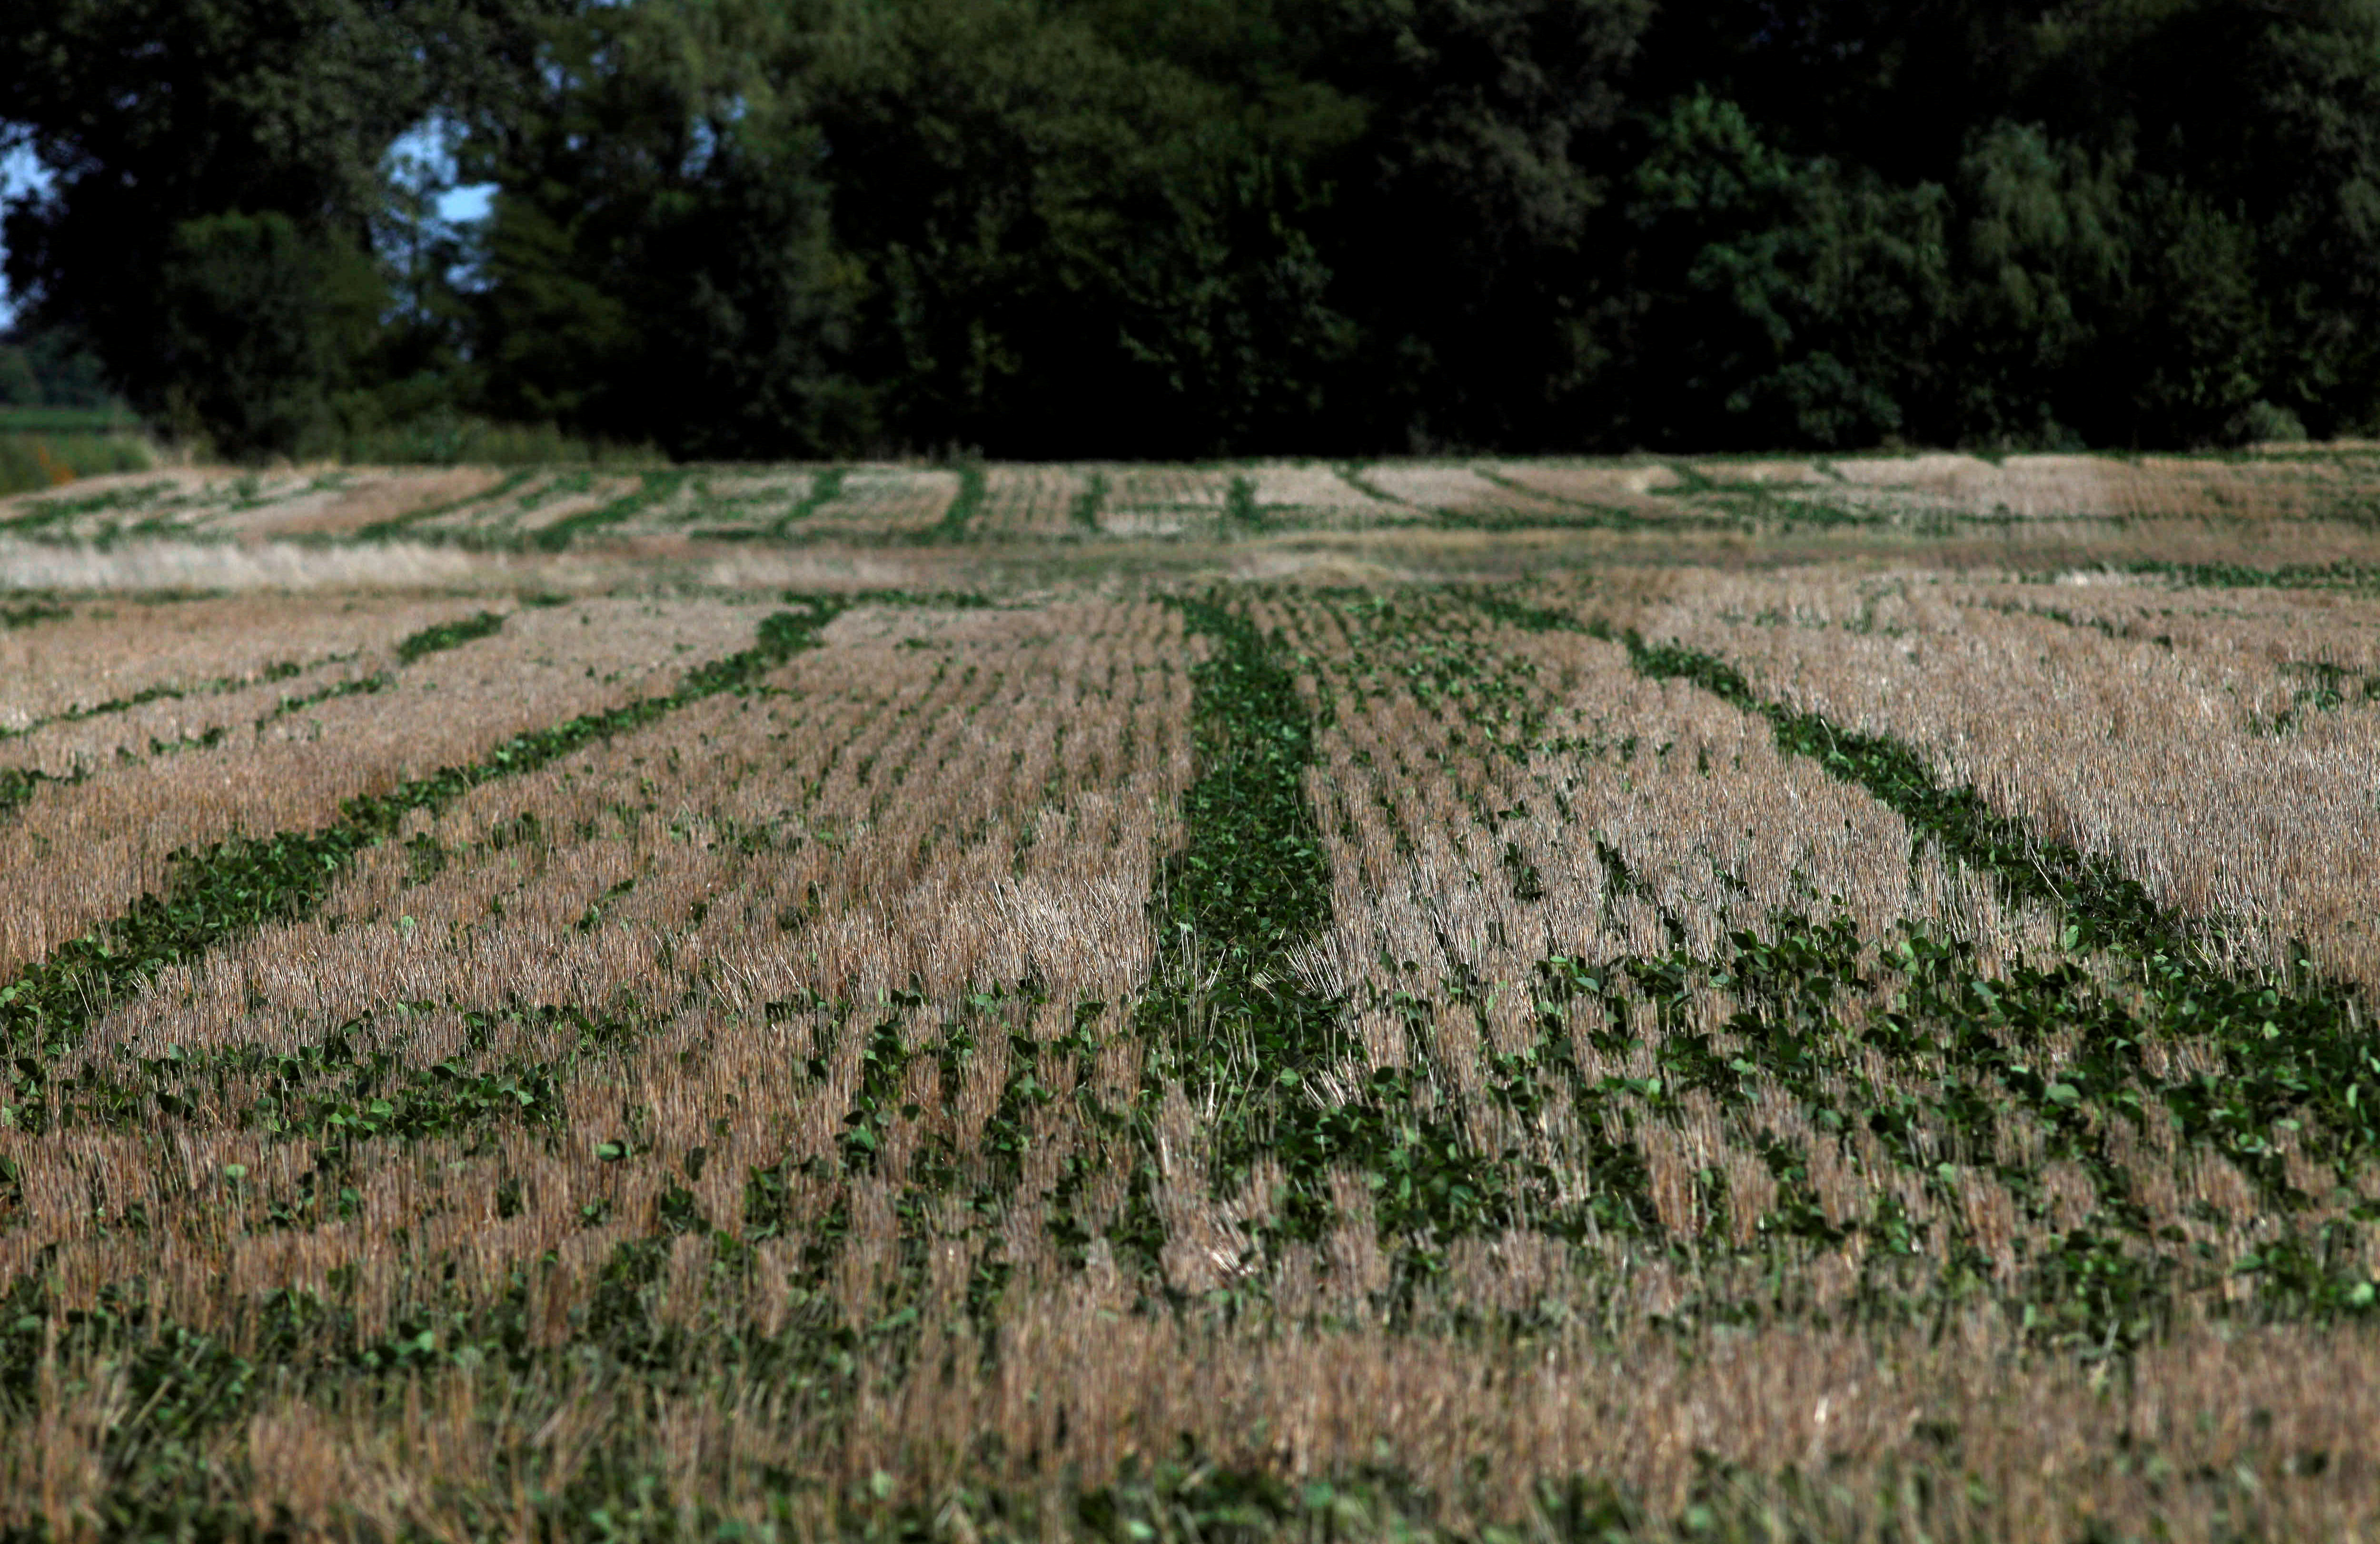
1628,487
800,1112
883,503
171,565
1454,490
2039,487
121,823
1038,503
1863,1421
356,500
112,650
2192,746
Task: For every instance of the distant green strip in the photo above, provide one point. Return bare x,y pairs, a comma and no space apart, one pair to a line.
2288,576
963,508
652,488
825,490
40,512
1240,506
447,635
32,612
1090,501
382,530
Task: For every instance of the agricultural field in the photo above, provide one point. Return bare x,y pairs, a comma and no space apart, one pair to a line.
1482,1000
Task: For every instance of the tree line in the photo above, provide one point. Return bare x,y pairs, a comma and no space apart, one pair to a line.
763,228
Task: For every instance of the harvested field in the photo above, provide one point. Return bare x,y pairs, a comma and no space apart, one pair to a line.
1779,1000
1044,502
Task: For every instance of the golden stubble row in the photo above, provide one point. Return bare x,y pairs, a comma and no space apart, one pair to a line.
1033,502
113,649
2193,763
981,813
208,1217
465,1225
217,504
237,711
535,506
2055,486
1427,822
880,503
1078,1383
1079,1389
78,853
931,787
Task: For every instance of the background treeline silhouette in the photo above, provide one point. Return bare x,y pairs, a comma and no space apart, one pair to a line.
1187,227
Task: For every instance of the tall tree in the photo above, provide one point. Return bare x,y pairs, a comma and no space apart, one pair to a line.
181,133
1469,217
660,264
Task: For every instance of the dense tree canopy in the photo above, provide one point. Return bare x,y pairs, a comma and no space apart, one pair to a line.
769,228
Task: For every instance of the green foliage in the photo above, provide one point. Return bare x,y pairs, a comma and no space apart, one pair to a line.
651,488
1249,885
448,439
2294,1050
732,229
53,369
1240,504
1088,503
964,505
697,301
824,490
260,323
448,635
208,232
1809,292
51,457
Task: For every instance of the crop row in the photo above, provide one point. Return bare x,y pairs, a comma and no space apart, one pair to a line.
1101,1065
2324,497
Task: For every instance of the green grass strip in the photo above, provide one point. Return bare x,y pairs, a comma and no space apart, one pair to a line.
57,510
32,614
652,488
1089,501
448,635
825,490
248,881
2292,1047
1240,506
965,507
382,530
2236,576
1250,884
